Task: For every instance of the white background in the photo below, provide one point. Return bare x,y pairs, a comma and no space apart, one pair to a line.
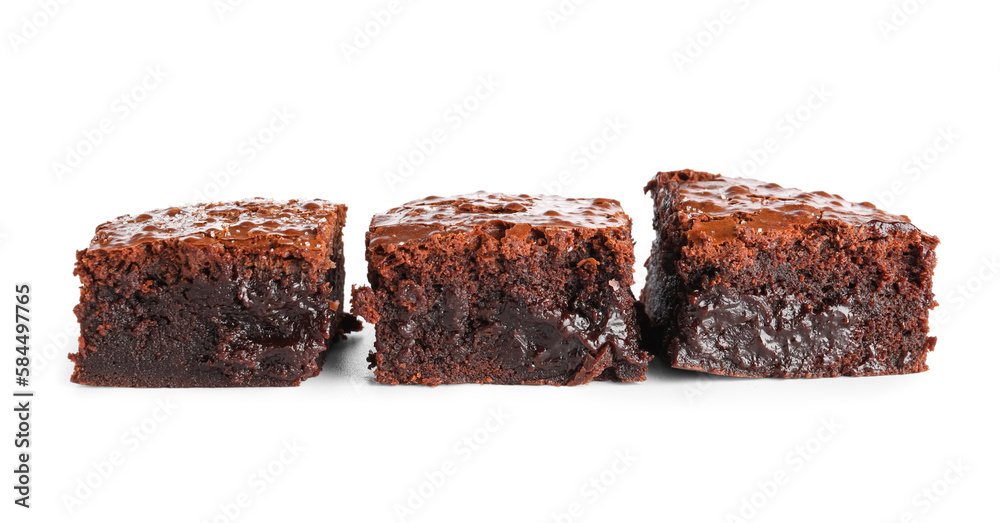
699,448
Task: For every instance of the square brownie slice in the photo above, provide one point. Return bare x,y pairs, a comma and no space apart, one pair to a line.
234,294
494,288
748,278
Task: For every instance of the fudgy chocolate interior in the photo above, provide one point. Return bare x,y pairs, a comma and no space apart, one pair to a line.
751,279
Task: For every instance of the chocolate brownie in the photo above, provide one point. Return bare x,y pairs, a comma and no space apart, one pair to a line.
234,294
748,278
494,288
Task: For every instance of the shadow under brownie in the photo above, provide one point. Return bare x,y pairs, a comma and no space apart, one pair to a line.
493,288
748,278
245,293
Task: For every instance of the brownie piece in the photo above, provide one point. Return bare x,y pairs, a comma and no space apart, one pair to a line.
234,294
494,288
748,278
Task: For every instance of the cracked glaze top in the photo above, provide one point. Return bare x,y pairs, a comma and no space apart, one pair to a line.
435,215
257,221
719,206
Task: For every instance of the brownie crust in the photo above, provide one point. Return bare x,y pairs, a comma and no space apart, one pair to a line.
243,293
748,278
494,288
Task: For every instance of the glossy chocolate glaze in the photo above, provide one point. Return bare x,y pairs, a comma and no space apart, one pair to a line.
256,221
722,208
435,216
